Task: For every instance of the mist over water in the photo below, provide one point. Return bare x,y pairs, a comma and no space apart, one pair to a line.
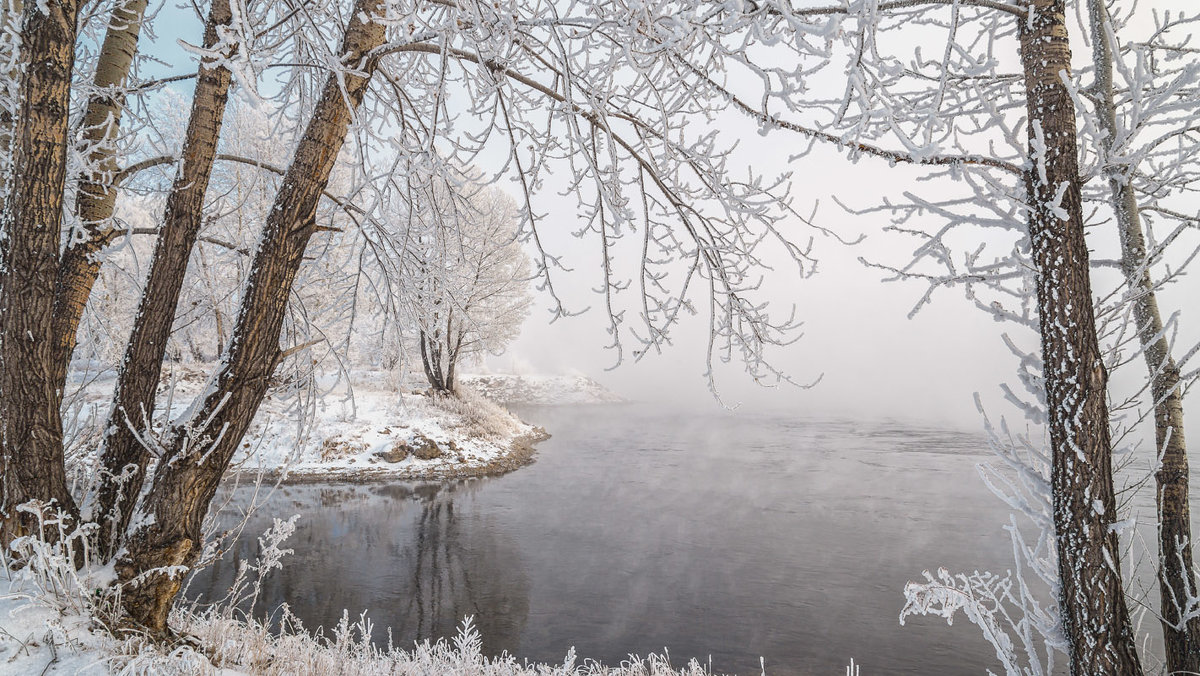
722,536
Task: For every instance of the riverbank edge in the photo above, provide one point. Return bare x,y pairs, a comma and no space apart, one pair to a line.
521,451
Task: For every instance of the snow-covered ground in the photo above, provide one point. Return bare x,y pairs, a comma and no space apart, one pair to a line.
541,390
389,433
378,428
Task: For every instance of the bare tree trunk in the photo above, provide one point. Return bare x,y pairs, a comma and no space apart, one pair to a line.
431,361
451,377
30,419
187,477
97,196
1176,576
124,458
450,356
438,359
1091,598
454,350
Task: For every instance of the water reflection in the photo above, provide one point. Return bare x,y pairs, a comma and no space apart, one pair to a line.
721,537
403,553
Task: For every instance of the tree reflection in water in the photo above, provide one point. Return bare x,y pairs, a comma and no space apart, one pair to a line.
418,558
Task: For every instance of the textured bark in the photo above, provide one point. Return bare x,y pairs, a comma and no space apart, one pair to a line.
186,479
1176,577
431,360
124,458
30,421
1091,597
451,379
439,359
97,196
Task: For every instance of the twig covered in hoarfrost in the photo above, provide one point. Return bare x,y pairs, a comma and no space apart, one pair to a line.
1016,611
614,107
590,90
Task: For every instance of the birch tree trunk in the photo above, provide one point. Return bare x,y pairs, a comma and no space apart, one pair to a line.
1176,576
97,197
124,458
186,478
30,419
1091,597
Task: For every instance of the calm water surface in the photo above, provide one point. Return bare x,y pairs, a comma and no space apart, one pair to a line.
724,537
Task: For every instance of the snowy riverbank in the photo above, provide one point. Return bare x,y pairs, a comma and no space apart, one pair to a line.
52,623
382,433
377,428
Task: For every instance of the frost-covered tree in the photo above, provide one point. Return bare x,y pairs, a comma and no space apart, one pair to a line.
628,97
466,279
1145,146
404,91
997,113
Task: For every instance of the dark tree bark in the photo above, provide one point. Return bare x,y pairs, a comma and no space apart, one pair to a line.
431,360
1092,599
124,458
186,478
439,358
451,378
30,420
1176,577
97,196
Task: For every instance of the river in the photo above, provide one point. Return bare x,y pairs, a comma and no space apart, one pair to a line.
721,536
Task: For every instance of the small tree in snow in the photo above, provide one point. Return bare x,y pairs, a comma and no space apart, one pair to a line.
468,278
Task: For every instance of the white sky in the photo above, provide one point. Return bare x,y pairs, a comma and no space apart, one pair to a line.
876,361
857,334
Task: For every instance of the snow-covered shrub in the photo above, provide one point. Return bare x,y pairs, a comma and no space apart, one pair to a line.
55,569
243,595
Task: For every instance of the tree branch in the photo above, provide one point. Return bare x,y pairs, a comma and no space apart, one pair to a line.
149,163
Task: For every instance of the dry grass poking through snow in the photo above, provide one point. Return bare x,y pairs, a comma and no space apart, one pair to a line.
346,650
37,636
477,415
